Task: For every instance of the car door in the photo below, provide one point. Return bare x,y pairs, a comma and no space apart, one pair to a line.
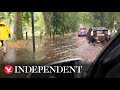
106,60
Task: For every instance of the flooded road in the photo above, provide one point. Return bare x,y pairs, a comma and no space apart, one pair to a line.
68,47
71,47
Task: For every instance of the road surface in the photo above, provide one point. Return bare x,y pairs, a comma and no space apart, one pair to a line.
67,47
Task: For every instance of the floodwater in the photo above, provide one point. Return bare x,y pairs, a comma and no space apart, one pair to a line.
67,47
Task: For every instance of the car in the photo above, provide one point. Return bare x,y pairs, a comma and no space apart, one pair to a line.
82,32
106,65
98,34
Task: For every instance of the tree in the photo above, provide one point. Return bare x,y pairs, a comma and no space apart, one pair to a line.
47,20
39,22
18,26
110,17
26,20
66,22
87,19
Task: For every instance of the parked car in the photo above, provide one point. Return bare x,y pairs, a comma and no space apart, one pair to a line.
82,32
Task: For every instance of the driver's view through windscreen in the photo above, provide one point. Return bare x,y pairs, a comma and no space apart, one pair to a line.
31,40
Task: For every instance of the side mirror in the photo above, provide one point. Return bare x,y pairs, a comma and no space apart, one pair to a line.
71,68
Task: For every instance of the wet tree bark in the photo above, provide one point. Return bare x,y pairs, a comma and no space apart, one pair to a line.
47,20
18,26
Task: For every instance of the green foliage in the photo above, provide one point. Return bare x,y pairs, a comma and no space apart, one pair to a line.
86,19
26,20
105,19
110,17
7,17
39,22
65,22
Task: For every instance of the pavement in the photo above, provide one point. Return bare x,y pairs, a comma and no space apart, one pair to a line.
25,56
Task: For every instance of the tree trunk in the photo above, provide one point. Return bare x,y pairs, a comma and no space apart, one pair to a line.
18,26
47,22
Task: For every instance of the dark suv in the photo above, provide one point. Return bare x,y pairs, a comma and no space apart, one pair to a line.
98,34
